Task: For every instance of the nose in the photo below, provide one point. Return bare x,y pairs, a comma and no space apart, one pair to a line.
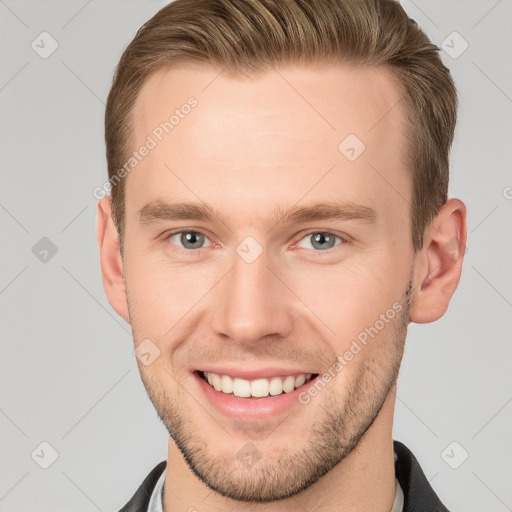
252,303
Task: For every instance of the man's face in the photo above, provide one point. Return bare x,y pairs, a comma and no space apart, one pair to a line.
274,286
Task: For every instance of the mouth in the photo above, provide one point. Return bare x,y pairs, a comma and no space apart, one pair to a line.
256,388
259,399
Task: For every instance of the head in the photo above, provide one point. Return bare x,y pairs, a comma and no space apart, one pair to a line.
289,211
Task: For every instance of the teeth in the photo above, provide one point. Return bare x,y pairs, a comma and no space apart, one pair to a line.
216,382
260,387
227,384
300,380
289,384
276,386
256,388
241,387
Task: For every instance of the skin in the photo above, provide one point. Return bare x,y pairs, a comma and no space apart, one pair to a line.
249,148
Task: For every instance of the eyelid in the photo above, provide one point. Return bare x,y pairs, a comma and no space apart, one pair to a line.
168,234
344,239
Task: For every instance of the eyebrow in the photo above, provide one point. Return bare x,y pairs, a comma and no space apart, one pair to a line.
160,210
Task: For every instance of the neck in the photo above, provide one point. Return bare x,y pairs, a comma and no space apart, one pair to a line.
364,480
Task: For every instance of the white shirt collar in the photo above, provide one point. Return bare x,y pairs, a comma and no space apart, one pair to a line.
398,504
156,501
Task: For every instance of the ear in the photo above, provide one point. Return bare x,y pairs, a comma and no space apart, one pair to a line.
439,263
110,259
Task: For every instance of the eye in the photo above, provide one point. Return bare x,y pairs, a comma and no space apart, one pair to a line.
319,240
189,239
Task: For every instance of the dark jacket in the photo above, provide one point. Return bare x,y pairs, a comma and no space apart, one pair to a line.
418,494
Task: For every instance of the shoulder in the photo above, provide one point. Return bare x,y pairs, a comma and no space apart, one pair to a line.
418,493
140,500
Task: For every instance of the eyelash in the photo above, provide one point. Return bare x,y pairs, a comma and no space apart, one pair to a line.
343,240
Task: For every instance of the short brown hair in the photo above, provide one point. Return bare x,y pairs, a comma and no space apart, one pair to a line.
250,36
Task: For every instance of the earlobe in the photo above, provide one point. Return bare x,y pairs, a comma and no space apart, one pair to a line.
440,265
110,259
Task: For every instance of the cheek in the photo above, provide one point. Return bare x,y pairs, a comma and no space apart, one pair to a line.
347,299
162,294
339,300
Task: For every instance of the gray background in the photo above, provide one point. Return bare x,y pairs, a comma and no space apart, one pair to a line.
68,373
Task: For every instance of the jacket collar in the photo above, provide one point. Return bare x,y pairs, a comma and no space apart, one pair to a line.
418,493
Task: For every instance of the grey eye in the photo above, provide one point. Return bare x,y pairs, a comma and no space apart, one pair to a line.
319,241
188,239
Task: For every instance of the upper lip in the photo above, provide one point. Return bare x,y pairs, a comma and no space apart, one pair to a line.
253,373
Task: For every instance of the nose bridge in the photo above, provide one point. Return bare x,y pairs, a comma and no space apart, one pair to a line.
251,303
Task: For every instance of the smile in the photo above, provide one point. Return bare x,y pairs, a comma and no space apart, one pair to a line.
257,388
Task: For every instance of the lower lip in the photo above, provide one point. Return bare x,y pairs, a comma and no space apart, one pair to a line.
252,408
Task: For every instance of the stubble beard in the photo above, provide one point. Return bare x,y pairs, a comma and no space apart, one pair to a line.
340,423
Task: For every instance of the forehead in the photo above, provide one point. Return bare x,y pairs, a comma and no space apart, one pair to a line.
327,131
